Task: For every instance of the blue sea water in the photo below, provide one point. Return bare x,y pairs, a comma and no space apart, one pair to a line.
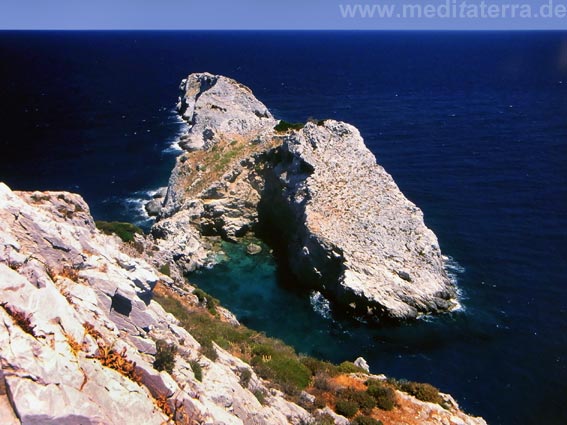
472,126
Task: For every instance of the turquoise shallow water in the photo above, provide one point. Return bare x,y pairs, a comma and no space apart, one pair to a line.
265,296
260,295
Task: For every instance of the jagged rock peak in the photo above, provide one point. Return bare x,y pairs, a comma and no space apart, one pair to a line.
219,107
356,234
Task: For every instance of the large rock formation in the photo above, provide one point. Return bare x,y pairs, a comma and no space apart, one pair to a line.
345,227
351,231
218,107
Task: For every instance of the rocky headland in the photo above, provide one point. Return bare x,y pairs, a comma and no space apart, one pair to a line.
314,191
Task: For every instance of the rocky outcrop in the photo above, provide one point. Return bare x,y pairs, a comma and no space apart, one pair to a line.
218,110
350,230
217,107
338,217
153,206
79,330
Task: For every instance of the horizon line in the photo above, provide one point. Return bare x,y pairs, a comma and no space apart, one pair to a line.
284,29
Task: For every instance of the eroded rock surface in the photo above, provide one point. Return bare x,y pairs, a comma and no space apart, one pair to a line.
218,107
79,333
79,329
72,298
351,230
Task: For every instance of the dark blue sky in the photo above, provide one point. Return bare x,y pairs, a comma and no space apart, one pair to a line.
268,14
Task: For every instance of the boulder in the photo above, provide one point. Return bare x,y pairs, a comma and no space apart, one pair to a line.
362,363
253,249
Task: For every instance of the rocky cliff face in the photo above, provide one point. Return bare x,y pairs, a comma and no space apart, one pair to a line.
81,335
79,331
353,233
345,227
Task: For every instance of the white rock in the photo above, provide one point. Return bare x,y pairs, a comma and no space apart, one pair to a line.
362,363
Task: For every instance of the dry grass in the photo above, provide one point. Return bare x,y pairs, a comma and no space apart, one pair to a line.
177,415
202,168
90,330
68,272
347,381
405,413
328,382
162,404
73,344
118,361
22,319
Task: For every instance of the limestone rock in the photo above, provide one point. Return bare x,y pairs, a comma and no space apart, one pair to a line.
217,106
352,232
362,363
420,412
253,249
178,241
153,207
68,294
73,302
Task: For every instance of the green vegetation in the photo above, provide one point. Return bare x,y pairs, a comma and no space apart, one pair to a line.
208,350
360,399
279,364
364,400
165,356
197,370
319,367
346,408
421,391
260,396
284,126
316,121
245,376
165,269
324,419
207,300
270,358
350,367
124,231
365,420
385,396
221,156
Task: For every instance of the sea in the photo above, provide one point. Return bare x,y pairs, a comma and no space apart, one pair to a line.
471,125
